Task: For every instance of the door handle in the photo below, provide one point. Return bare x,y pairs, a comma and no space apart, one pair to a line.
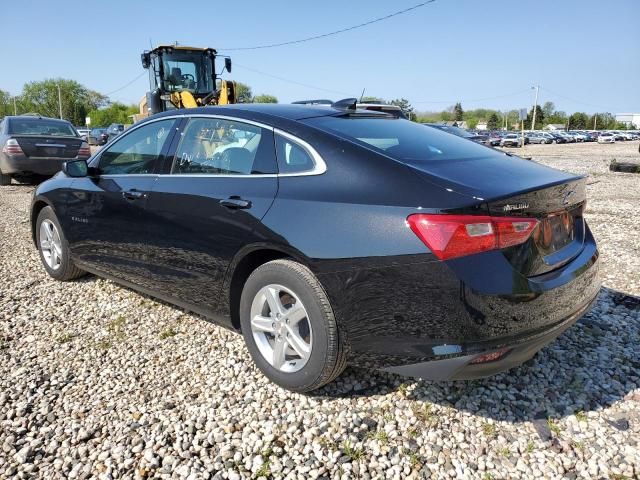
235,202
133,194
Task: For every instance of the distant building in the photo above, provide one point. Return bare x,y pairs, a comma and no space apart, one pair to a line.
555,127
629,119
481,126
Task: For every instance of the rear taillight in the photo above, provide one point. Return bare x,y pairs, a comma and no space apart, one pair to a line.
12,147
451,236
84,150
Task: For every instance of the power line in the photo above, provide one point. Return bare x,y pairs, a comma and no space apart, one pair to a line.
573,99
324,35
235,64
127,84
520,92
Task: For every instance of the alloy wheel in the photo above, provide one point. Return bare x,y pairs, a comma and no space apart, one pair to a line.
50,244
281,328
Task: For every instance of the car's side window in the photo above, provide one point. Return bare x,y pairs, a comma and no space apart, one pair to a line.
292,156
217,146
136,152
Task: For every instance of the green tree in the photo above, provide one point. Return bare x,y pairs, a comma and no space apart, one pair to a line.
603,121
76,100
548,108
557,117
243,93
578,120
472,122
114,113
6,104
265,98
458,112
405,106
493,123
539,119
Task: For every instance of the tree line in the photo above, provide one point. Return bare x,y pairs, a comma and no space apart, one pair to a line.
55,97
68,99
546,114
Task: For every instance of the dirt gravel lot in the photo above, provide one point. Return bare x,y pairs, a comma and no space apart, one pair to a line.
97,381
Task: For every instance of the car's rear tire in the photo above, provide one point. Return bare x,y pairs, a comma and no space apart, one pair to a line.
5,179
289,327
53,247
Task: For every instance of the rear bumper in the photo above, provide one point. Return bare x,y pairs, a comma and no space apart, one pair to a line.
20,164
519,351
431,318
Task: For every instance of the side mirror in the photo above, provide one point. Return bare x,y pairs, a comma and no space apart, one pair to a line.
227,64
75,168
146,59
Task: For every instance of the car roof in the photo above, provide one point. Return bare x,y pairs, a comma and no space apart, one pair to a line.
35,118
270,110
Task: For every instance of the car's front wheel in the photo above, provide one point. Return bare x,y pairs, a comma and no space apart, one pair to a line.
53,247
289,327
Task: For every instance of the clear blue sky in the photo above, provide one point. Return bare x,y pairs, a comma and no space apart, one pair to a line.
586,52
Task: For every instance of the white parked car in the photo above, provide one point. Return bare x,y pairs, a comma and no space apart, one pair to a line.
606,137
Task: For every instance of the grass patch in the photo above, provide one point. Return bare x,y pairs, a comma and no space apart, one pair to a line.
504,452
554,426
412,432
104,345
425,414
352,452
490,430
530,447
168,333
381,436
116,327
65,338
264,470
415,460
581,416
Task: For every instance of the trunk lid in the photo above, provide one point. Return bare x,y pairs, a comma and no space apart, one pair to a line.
513,187
48,147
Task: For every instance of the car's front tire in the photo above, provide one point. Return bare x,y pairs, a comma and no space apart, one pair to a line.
53,247
289,327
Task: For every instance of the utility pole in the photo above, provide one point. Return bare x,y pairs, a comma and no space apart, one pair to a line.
595,121
60,101
15,107
535,107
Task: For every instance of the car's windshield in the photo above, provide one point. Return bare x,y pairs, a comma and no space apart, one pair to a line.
401,139
41,127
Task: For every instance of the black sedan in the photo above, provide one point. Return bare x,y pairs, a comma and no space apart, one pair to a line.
34,145
330,236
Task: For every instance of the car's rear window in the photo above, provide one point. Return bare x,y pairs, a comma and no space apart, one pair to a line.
401,139
41,127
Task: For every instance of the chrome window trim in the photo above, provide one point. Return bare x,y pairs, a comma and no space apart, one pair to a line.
320,166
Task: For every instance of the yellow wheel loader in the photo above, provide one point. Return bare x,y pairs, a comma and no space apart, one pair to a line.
184,77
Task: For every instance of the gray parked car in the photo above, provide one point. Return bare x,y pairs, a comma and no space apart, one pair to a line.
33,145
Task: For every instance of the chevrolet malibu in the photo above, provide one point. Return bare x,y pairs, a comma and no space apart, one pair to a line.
330,236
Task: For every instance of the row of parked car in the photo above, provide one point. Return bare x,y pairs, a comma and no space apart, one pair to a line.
514,139
100,136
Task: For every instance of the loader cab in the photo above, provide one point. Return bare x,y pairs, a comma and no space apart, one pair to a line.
175,69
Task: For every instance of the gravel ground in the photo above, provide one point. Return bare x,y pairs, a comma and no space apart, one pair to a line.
99,381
